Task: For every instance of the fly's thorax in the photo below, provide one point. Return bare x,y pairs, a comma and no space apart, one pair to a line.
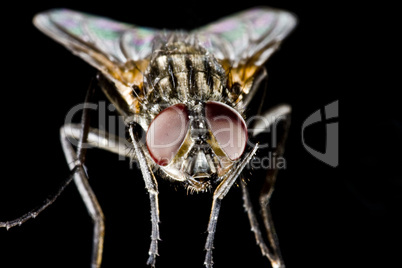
184,72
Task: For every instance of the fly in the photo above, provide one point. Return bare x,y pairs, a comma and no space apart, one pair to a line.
188,92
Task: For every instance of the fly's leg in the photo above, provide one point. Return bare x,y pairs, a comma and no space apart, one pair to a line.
103,140
75,168
77,157
282,113
213,220
89,198
152,188
147,174
255,228
273,256
35,212
96,138
106,141
279,114
83,136
219,193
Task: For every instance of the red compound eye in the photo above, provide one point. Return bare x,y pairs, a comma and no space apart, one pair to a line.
166,133
228,127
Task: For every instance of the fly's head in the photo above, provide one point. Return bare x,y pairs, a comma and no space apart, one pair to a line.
197,143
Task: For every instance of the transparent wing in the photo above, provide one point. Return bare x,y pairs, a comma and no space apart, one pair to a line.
88,36
119,50
251,35
242,43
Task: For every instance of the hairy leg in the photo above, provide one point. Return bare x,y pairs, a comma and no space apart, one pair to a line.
281,115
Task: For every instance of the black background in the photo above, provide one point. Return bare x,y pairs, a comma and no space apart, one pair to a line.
347,216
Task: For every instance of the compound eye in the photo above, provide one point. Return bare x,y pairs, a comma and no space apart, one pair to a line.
228,128
166,133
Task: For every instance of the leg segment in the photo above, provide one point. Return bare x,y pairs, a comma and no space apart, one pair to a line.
278,114
77,158
152,188
102,140
220,192
119,146
89,198
76,166
255,228
96,138
35,212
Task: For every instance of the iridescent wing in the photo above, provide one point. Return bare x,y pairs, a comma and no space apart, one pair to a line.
88,36
253,34
119,50
244,41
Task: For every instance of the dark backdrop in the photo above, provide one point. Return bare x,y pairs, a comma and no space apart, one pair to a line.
347,216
